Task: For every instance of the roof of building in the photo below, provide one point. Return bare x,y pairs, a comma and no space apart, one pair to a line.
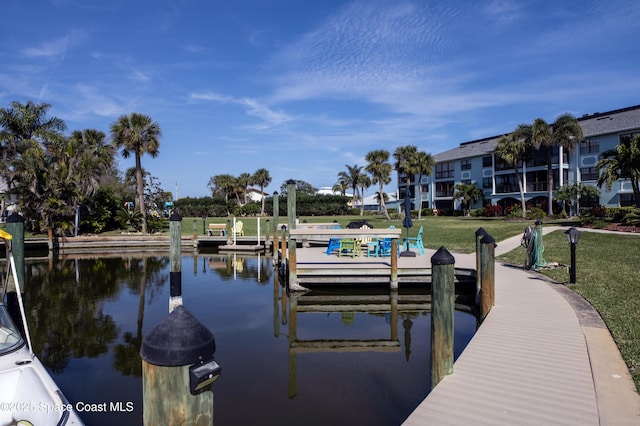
616,121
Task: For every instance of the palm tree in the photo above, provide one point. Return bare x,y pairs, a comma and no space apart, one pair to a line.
352,177
380,170
137,134
89,158
406,164
467,193
22,123
365,182
424,165
340,187
262,178
244,180
514,149
223,184
565,132
623,162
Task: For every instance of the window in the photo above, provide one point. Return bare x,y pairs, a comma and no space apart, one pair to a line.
444,189
465,165
626,137
487,183
588,173
445,170
506,184
589,147
487,161
626,200
425,188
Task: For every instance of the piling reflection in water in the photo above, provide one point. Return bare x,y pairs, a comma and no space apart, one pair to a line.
331,356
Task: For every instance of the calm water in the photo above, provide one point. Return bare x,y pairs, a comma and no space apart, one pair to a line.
88,315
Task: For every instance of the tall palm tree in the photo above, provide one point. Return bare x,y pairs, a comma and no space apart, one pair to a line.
365,182
380,170
406,163
262,178
223,184
424,165
244,180
137,134
623,162
352,177
514,149
89,157
22,123
565,132
340,186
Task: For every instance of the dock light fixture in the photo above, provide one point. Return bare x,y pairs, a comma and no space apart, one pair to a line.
573,235
203,374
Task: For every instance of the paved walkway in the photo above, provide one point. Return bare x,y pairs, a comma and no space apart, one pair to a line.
542,356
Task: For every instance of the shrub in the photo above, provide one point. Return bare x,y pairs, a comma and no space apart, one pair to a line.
632,218
618,213
492,211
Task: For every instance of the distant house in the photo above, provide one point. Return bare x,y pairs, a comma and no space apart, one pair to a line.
327,190
371,202
7,202
256,195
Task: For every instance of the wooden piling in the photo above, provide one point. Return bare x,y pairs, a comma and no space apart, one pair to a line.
171,353
175,257
394,265
487,275
15,227
479,234
442,314
178,367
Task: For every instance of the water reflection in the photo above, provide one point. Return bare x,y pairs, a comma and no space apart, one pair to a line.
358,356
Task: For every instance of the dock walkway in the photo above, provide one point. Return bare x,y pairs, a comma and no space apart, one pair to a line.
541,357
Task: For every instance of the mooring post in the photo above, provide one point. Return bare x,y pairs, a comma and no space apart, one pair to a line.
228,232
291,224
276,215
487,274
479,234
15,227
442,312
178,371
267,231
178,368
394,265
175,257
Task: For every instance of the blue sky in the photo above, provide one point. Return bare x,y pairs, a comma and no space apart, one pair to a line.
303,88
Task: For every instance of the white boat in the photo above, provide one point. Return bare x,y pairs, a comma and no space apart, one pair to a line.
28,394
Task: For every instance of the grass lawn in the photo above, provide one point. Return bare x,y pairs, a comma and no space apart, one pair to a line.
608,276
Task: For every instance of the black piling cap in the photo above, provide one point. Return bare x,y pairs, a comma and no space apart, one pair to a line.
488,239
175,217
15,218
481,232
180,339
442,257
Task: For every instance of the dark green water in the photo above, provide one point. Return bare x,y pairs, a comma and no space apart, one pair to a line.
87,317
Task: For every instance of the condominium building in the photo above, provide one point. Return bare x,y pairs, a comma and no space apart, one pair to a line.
475,161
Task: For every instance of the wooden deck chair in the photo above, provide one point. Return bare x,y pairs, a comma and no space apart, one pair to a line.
238,230
415,243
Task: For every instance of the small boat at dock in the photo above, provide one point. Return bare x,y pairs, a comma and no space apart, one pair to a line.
28,393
